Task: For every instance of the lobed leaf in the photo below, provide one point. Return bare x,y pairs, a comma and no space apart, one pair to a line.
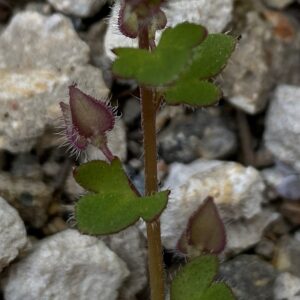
193,92
105,213
209,59
211,56
194,278
218,291
158,203
169,59
113,205
195,281
183,36
99,176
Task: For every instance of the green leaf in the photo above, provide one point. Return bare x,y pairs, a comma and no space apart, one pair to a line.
195,281
113,205
98,176
158,203
209,59
211,56
218,291
194,278
105,213
166,62
182,36
193,92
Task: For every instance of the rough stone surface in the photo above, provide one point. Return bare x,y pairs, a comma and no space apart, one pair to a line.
238,193
285,47
272,178
94,37
249,277
287,287
247,79
274,38
66,266
287,257
79,8
203,134
282,134
130,246
282,180
243,234
40,48
13,236
40,7
36,66
278,3
265,248
30,197
215,15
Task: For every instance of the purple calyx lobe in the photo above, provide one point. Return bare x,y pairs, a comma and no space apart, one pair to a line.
90,117
205,232
86,120
79,142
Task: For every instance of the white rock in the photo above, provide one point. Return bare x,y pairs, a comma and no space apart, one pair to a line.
282,134
36,67
283,181
54,45
245,233
79,8
66,266
238,193
215,15
272,176
247,77
130,246
13,236
287,287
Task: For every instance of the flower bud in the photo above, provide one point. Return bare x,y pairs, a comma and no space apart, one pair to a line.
87,120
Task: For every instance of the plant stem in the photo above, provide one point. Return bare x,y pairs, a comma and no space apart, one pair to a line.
107,153
155,259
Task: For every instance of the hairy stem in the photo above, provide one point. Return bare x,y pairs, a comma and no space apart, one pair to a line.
155,259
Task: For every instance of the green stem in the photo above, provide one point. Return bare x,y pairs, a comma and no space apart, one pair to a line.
155,259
